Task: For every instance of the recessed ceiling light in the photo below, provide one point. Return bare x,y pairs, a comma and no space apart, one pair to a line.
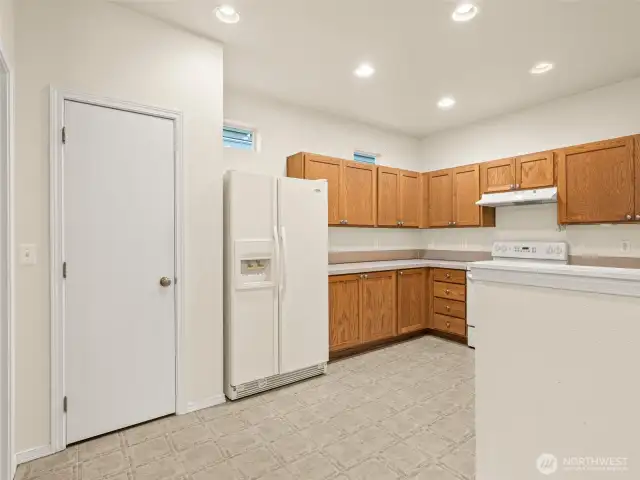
446,103
464,12
364,71
540,68
227,14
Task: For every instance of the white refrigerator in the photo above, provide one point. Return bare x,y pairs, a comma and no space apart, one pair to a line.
276,313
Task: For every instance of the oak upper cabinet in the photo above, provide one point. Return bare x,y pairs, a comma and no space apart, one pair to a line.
535,171
345,325
409,195
358,202
351,186
466,192
636,152
388,201
596,182
424,218
412,300
317,167
441,198
399,194
498,175
378,293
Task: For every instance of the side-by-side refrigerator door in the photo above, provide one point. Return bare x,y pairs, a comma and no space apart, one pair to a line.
252,329
304,306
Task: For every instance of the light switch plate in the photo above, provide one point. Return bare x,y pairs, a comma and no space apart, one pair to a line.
28,254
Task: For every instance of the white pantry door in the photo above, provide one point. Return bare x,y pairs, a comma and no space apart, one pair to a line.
119,234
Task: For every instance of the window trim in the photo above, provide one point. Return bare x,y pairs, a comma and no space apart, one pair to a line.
256,141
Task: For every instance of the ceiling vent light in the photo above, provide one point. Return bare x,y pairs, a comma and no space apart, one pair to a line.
364,71
464,12
540,68
227,14
446,103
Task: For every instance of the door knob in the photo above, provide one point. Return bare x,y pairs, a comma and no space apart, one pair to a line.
165,282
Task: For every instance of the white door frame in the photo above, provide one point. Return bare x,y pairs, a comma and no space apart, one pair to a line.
57,99
7,350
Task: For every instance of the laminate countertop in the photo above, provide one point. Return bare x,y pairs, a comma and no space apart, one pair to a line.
365,267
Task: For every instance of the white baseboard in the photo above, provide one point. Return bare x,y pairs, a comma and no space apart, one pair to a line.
206,403
33,454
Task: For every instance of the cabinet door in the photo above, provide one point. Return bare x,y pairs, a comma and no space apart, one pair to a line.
412,294
498,175
358,194
441,198
379,306
534,171
344,312
466,192
317,167
637,158
409,198
424,219
388,189
596,182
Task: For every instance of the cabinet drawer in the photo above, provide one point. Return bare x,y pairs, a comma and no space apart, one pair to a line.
449,290
452,276
450,307
457,326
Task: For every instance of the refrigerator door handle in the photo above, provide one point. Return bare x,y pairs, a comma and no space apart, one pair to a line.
282,273
276,247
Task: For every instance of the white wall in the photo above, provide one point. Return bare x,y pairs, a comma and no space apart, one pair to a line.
285,129
7,46
105,50
607,112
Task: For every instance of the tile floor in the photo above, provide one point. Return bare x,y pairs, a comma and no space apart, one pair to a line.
403,412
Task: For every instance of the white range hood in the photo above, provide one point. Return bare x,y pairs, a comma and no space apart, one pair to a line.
520,197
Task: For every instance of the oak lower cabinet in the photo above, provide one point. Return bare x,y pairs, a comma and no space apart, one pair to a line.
345,318
378,297
598,182
449,306
412,300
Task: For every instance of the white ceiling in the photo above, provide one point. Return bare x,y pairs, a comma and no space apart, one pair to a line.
304,52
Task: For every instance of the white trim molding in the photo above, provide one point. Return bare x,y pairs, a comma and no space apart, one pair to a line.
206,403
57,100
33,454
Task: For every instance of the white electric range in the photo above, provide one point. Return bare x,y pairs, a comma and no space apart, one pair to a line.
525,255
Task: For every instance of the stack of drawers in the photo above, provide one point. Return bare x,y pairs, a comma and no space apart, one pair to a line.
449,301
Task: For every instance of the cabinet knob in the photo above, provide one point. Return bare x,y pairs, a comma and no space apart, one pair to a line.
361,276
629,217
401,273
401,223
447,291
448,275
346,222
448,308
638,217
455,223
511,186
517,185
448,324
366,276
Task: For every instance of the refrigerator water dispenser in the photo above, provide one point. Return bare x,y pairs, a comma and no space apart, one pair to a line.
254,264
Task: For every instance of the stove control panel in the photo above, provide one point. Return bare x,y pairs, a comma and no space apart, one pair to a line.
557,251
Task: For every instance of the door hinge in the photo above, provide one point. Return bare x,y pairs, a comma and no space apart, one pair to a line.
64,404
64,135
64,270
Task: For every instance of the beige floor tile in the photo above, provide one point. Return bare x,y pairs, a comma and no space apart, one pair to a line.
237,443
375,439
304,418
272,429
70,473
168,468
314,467
347,452
404,458
256,463
221,471
285,404
99,446
190,436
210,413
372,469
143,432
455,427
150,450
256,414
434,472
105,465
227,425
57,461
402,425
280,474
292,447
398,401
323,433
201,456
180,422
350,421
429,443
461,462
376,410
